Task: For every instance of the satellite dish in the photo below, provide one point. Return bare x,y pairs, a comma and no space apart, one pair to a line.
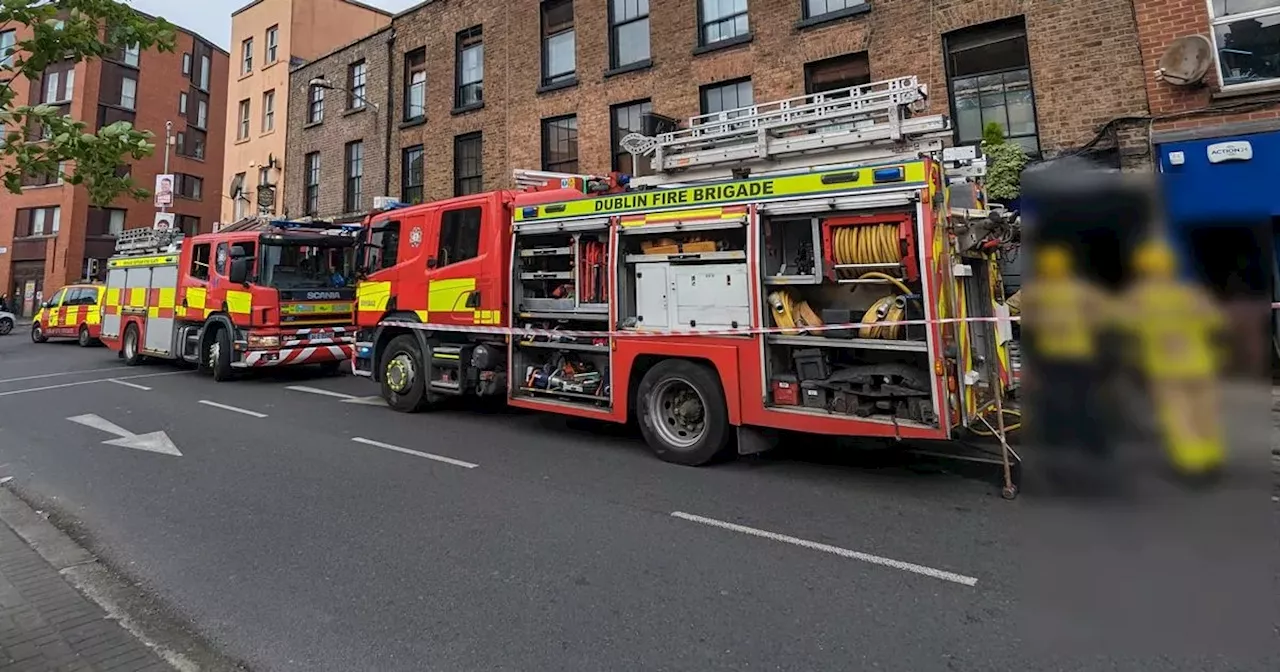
1186,61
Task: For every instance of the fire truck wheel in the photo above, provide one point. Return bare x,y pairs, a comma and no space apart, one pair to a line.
403,377
682,412
6,326
37,334
83,337
218,355
129,350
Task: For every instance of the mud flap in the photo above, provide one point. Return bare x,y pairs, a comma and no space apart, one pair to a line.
756,440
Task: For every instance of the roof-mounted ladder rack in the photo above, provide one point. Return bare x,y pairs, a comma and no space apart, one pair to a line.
858,123
146,240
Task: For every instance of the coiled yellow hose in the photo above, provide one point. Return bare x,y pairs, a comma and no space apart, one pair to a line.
790,315
891,308
865,244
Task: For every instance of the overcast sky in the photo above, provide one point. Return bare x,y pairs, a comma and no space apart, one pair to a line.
212,18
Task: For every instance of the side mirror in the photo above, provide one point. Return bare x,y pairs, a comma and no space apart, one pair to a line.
239,273
432,262
44,304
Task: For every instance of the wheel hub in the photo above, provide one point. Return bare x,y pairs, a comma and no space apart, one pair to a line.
679,413
400,373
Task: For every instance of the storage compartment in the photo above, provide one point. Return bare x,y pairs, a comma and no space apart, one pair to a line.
562,273
696,281
791,251
846,269
567,372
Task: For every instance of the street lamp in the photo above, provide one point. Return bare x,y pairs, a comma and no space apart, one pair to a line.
323,83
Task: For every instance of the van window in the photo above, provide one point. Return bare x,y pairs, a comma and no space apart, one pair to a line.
79,296
200,262
57,298
459,236
223,252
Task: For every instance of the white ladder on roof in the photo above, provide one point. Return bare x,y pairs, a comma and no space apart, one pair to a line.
845,126
145,240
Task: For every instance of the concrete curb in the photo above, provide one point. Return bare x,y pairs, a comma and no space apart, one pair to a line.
88,575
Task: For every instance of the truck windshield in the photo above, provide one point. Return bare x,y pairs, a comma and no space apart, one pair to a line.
306,266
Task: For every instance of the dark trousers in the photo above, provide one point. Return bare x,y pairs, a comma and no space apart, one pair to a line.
1065,411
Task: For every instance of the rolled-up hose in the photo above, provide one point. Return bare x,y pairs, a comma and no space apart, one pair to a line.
792,315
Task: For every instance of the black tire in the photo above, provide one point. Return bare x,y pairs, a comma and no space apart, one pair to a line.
83,338
37,334
6,326
217,355
680,377
129,350
406,396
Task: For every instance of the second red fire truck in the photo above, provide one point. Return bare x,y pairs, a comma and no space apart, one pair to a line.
257,293
716,303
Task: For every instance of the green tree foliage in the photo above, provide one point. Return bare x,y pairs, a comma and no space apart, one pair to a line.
77,30
1005,161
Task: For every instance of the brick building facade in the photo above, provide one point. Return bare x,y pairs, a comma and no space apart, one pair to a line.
554,84
337,141
50,232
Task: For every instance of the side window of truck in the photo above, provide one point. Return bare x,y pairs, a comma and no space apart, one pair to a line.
459,236
200,262
384,252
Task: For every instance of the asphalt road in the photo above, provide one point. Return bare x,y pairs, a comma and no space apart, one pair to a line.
305,527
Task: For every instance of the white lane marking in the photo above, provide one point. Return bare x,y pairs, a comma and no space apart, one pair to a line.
129,384
346,398
101,424
92,382
835,550
55,375
233,409
406,451
316,390
154,442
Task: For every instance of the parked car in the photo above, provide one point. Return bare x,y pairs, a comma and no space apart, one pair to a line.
7,320
75,311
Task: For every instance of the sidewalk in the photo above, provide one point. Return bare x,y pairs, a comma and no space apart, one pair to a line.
46,624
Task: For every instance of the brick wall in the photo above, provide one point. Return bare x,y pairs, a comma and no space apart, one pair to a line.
1069,44
339,126
60,258
1177,108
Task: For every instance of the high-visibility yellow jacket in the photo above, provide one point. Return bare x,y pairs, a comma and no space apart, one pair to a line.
1174,325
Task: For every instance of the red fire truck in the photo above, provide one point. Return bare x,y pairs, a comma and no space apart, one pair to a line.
789,266
257,293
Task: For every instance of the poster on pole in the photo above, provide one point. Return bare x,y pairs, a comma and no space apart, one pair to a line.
164,191
164,221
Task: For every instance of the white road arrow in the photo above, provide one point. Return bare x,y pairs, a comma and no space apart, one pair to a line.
154,442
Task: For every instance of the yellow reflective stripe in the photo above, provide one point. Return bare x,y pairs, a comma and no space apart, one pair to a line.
450,296
134,262
113,296
195,297
239,302
168,296
137,297
153,312
737,191
373,295
305,308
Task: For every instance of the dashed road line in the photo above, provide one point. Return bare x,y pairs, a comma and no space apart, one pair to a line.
346,398
316,390
91,382
834,550
233,409
126,383
55,375
406,451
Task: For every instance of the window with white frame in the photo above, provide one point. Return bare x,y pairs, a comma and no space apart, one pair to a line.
1246,34
269,111
132,54
242,128
128,93
8,38
246,56
273,44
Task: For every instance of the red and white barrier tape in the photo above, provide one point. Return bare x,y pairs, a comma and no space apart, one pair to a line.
635,333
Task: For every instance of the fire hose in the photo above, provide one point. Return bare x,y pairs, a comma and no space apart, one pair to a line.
866,244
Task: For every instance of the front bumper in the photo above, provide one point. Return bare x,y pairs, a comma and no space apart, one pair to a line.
318,345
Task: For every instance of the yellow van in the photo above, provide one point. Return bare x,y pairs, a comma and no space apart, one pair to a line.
75,311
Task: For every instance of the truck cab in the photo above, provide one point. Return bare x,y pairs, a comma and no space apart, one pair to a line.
442,263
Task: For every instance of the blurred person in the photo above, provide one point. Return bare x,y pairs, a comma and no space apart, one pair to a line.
1174,324
1063,315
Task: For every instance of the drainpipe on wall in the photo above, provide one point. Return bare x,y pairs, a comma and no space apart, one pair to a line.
390,116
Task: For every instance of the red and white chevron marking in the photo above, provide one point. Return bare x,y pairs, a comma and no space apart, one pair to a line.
292,356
